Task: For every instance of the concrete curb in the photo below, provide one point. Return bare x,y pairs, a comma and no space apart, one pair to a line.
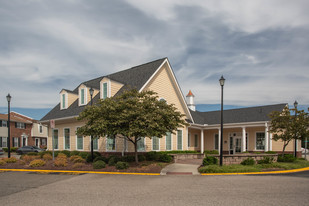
260,173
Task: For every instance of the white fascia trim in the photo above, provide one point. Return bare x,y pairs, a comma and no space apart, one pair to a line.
62,118
229,125
179,90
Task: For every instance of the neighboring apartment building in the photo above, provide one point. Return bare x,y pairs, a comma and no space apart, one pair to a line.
23,131
244,129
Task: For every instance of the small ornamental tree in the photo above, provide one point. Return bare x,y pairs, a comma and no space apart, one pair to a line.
131,115
287,127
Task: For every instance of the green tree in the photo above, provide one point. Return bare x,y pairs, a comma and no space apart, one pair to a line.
287,127
131,115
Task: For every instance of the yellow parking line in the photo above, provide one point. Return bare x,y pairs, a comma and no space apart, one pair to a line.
78,172
261,173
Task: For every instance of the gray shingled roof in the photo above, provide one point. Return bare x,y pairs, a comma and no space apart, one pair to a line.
134,77
250,114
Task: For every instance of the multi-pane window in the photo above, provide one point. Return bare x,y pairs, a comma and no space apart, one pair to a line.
168,141
44,141
155,143
104,90
260,140
95,143
111,144
4,141
216,141
55,134
3,123
79,142
41,129
179,139
67,138
15,142
195,140
141,144
20,125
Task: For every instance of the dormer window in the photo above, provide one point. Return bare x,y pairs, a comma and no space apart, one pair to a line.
82,96
105,90
63,101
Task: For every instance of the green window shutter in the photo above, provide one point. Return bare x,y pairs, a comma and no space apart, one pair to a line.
63,100
95,143
168,141
155,143
80,142
55,139
111,144
105,90
82,96
216,141
66,138
179,139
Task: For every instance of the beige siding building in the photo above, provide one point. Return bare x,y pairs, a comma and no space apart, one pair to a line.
244,129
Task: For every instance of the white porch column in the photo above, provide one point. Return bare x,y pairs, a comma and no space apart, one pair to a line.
266,137
270,142
219,140
202,141
243,142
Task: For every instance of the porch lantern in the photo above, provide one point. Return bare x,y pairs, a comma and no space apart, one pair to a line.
295,144
91,142
8,98
221,80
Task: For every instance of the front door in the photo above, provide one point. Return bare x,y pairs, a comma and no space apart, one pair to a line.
234,143
37,142
237,144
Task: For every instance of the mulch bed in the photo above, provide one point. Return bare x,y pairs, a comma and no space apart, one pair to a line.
141,167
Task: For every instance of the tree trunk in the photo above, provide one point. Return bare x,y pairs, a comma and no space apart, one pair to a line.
284,146
135,149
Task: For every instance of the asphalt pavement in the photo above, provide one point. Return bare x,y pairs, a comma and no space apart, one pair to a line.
97,189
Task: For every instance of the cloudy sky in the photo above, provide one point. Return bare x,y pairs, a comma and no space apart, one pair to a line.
261,47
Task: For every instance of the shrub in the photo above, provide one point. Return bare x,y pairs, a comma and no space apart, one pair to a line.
129,158
2,162
83,154
5,149
74,153
270,152
141,158
10,160
211,152
32,153
66,152
257,152
78,159
21,162
60,162
45,152
62,155
13,149
95,154
210,160
151,156
78,165
266,160
37,163
27,158
101,158
248,161
47,157
99,164
286,158
111,161
165,158
122,165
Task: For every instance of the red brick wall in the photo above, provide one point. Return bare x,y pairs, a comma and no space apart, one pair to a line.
16,132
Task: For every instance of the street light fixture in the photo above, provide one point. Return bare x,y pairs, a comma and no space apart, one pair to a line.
295,141
221,80
8,98
91,94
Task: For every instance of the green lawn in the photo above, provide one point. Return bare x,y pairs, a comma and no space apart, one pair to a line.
254,168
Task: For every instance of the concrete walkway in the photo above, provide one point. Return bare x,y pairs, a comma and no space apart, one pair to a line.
180,169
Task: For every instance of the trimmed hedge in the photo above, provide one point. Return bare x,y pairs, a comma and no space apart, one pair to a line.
122,165
211,152
99,164
248,161
210,160
286,158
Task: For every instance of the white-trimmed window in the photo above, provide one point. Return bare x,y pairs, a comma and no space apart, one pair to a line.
15,142
20,125
55,134
260,141
82,96
4,141
216,140
105,90
63,101
111,144
44,141
3,123
67,138
168,141
141,145
95,143
155,143
179,139
79,142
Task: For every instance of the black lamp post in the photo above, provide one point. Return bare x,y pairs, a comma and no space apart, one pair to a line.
91,143
8,97
295,144
221,80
